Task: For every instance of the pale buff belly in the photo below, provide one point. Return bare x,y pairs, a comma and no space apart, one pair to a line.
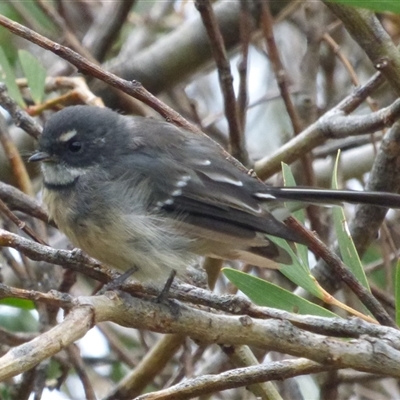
122,241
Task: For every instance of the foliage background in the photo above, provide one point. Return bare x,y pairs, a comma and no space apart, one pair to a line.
326,52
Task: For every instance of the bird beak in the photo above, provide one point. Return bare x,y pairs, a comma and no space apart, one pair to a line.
40,156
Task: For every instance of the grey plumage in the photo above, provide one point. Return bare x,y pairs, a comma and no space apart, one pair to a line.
138,192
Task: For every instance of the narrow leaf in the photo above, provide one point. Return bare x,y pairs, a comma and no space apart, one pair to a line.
18,303
347,248
34,73
375,5
288,178
7,76
297,272
397,293
267,294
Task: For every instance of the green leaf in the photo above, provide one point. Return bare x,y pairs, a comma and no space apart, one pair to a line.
300,215
375,5
397,293
18,303
267,294
7,76
289,180
18,319
38,19
298,272
346,245
34,73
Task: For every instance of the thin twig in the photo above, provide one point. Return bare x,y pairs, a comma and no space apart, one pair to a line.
203,385
277,66
133,88
225,77
156,358
332,125
306,101
283,84
26,16
361,93
384,177
321,250
186,293
117,346
17,200
20,224
346,63
80,368
14,158
69,37
19,270
245,36
106,27
367,31
20,117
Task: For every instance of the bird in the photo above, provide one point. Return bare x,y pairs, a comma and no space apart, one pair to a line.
142,193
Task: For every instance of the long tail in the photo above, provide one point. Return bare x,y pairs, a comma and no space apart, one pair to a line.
330,196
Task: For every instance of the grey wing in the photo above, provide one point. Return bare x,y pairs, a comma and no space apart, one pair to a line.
215,201
215,194
190,181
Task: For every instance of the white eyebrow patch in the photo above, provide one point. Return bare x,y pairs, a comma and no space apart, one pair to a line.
64,137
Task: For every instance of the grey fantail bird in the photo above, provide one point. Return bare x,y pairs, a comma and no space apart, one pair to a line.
142,193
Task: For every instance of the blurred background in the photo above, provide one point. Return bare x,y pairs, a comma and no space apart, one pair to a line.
164,46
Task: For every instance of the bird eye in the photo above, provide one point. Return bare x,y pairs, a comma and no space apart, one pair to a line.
75,146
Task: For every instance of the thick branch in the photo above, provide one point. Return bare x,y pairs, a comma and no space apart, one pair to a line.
333,125
365,354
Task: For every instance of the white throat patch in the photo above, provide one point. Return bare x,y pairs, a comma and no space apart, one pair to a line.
59,174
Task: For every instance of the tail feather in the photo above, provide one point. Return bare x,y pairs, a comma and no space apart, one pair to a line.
330,196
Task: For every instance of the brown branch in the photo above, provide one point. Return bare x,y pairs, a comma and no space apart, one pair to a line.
19,270
361,93
10,338
186,293
150,366
343,273
332,125
369,34
106,27
277,66
370,354
75,358
346,63
75,260
117,346
245,36
20,117
132,88
218,50
15,160
283,84
69,37
20,224
190,294
240,377
384,176
19,201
